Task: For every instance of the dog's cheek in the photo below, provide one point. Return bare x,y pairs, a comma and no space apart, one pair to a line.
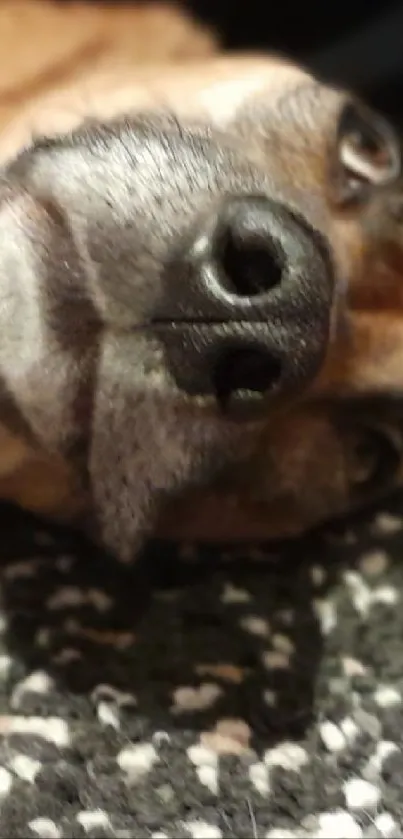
299,468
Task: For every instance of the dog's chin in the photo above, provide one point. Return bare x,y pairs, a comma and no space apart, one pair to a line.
149,444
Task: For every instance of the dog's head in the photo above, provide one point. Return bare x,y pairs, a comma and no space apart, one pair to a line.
175,285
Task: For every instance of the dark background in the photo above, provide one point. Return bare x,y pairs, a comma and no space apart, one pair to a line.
358,43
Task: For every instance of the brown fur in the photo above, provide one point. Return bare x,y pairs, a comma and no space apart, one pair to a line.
304,468
45,44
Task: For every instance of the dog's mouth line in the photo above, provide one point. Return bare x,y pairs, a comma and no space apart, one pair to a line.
164,323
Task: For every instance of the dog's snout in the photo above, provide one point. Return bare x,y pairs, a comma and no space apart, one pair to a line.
248,248
249,304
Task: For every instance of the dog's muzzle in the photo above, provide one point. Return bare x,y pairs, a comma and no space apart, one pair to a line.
249,306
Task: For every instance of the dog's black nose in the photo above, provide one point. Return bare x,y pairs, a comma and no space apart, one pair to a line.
249,303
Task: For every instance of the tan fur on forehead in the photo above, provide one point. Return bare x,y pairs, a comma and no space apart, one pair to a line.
215,90
49,47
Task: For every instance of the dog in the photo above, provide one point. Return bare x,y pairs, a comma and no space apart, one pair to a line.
200,287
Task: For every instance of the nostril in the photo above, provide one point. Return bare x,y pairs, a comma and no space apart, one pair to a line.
250,268
246,249
243,376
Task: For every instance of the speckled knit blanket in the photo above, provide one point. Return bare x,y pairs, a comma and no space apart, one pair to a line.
203,693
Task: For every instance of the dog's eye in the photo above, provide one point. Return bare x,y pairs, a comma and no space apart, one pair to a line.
368,153
374,460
